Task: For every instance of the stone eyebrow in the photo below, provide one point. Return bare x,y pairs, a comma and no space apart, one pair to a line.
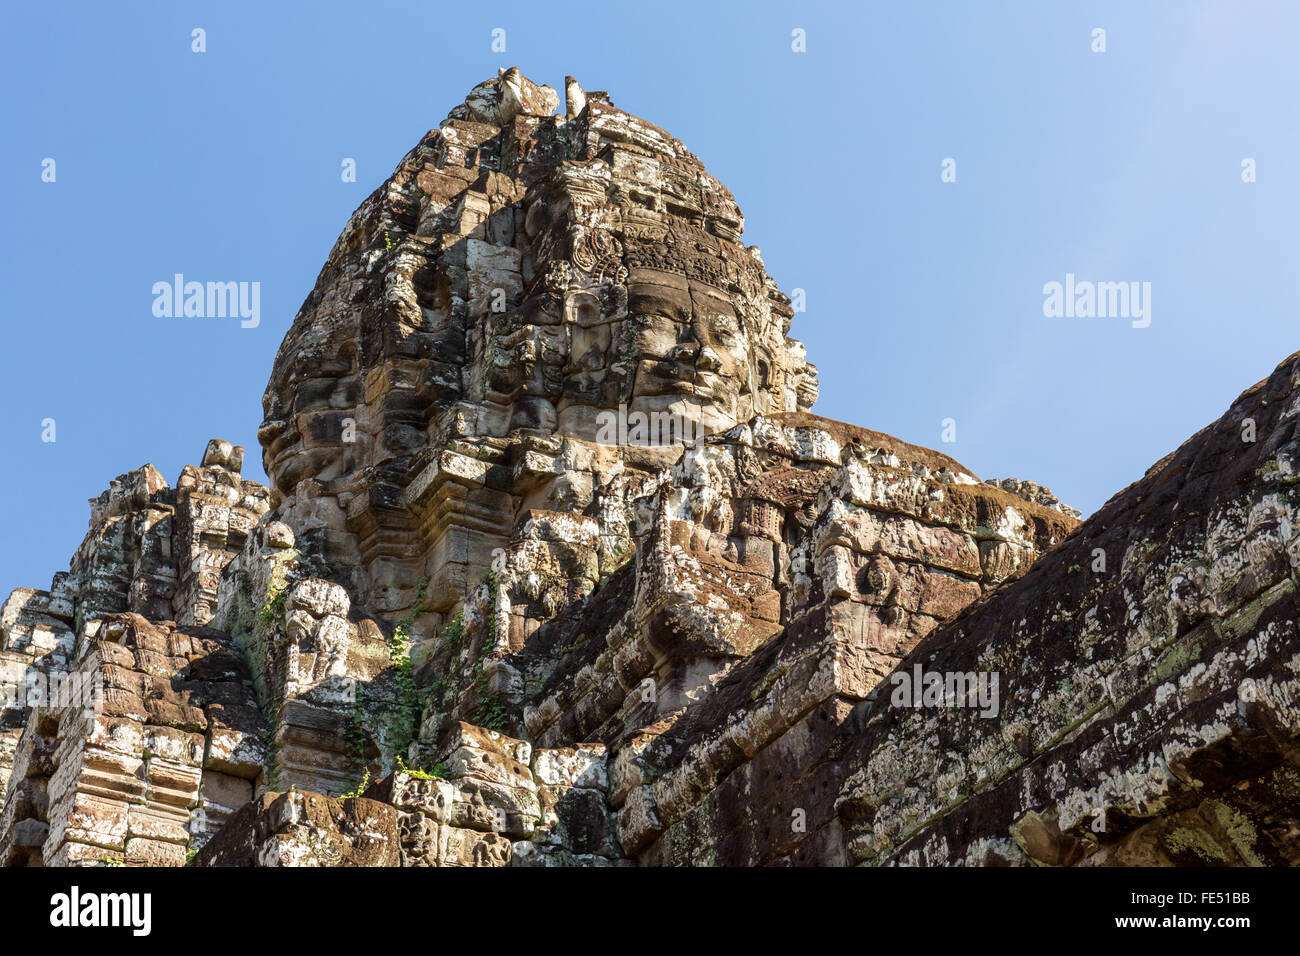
669,305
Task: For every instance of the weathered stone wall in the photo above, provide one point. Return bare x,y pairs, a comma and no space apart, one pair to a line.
494,801
36,641
308,653
170,747
876,543
498,801
150,549
780,571
1150,671
306,829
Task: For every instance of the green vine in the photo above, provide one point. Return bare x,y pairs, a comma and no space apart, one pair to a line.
271,614
402,721
454,631
357,735
399,725
272,610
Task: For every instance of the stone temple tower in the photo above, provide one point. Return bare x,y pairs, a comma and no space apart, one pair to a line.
558,567
518,275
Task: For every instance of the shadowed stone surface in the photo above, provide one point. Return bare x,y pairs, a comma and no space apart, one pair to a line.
306,829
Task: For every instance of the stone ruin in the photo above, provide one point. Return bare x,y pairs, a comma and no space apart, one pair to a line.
556,567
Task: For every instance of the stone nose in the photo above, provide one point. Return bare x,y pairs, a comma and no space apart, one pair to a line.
708,360
270,430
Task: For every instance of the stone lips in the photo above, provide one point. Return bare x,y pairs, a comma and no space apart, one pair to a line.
459,630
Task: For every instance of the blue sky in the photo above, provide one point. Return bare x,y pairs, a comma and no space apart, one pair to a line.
924,298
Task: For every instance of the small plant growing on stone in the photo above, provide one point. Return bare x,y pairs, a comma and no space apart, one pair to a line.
360,788
273,609
438,772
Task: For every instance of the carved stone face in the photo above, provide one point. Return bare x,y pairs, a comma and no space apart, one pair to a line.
687,342
307,418
658,342
521,277
615,278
